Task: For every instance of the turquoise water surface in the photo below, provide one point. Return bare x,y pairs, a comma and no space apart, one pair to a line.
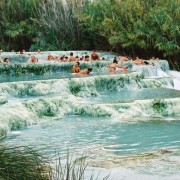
127,120
79,134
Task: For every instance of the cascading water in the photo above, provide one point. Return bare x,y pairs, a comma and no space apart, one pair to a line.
126,120
176,78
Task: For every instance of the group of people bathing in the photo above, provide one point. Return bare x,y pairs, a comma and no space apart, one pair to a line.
94,56
117,65
76,69
114,67
139,61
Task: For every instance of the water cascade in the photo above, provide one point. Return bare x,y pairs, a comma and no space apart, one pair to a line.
83,87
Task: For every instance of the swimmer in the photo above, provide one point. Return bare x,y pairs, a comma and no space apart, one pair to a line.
82,58
65,59
50,57
76,68
6,60
153,58
122,69
146,63
123,58
32,59
71,57
139,61
113,66
77,58
86,58
85,71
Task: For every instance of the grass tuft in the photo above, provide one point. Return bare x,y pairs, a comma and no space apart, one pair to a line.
21,163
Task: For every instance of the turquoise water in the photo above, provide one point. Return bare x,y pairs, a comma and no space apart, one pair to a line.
126,120
130,96
77,134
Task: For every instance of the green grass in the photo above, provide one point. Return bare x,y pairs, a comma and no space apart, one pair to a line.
24,163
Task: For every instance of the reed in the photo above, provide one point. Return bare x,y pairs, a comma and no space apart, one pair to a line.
60,28
26,163
22,163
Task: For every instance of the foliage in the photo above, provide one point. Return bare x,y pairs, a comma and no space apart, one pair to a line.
25,163
57,26
136,26
22,163
132,27
16,27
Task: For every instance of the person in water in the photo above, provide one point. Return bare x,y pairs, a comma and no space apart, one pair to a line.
113,66
76,68
77,58
94,56
123,58
6,60
71,57
86,58
39,51
32,59
85,71
139,61
153,58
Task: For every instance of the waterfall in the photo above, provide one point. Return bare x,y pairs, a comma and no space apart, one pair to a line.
175,75
160,69
17,115
83,87
147,70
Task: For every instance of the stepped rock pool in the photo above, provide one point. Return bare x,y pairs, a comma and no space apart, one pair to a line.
125,124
